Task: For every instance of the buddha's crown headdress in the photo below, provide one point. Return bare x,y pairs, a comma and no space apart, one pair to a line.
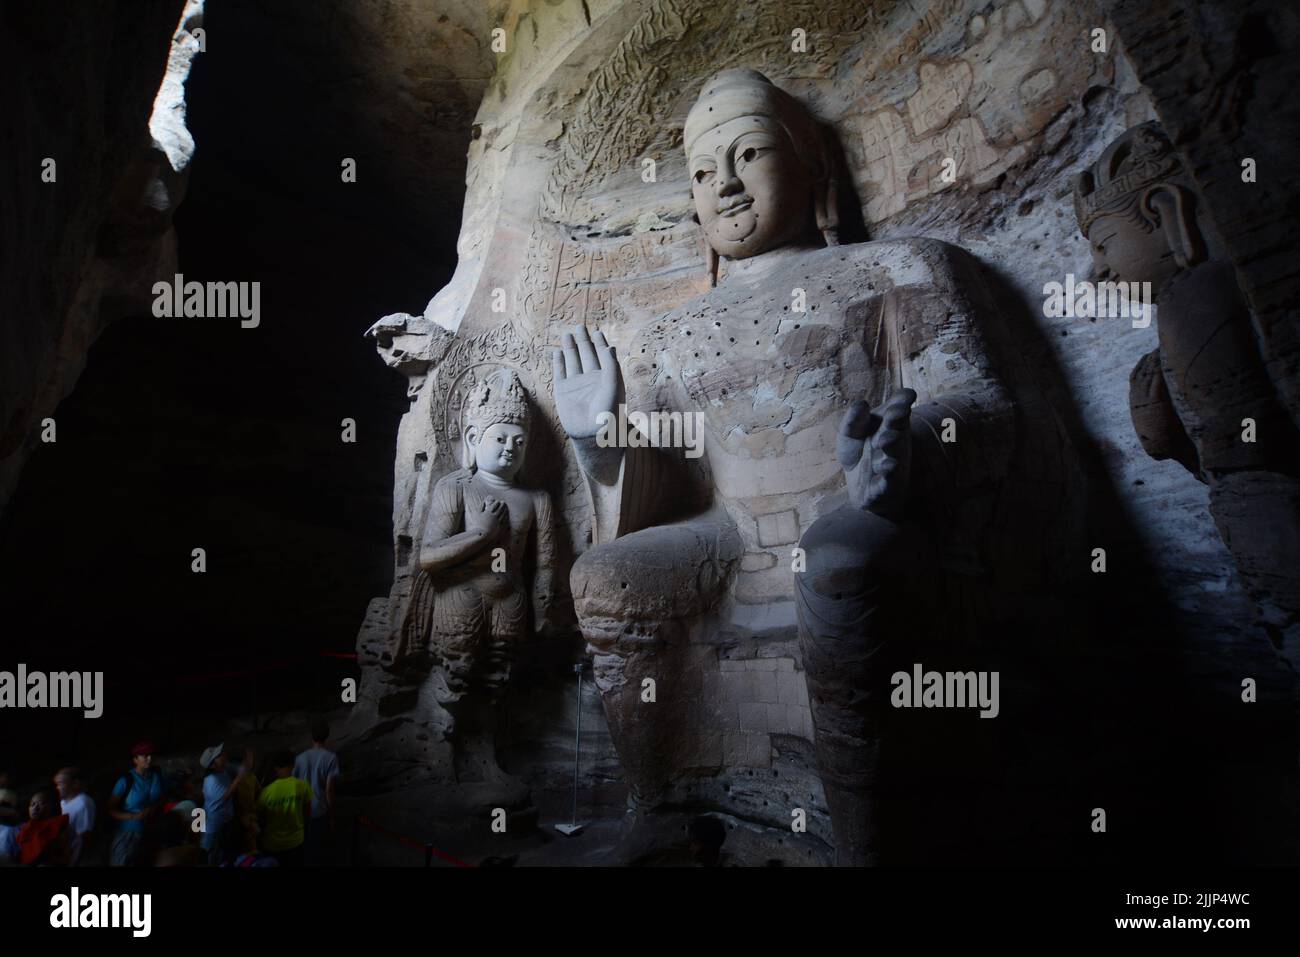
1140,158
500,397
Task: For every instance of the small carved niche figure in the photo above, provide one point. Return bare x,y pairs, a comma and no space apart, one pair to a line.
1203,397
487,545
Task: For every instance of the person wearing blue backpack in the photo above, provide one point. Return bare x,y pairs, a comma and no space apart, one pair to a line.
136,799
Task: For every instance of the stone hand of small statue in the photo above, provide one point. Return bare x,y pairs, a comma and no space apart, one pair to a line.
587,383
875,450
490,519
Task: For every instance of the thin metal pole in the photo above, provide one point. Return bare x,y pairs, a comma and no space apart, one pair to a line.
577,745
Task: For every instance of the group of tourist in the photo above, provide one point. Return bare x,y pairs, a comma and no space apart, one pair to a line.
218,814
51,834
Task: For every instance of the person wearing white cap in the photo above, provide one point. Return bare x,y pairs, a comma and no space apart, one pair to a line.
218,788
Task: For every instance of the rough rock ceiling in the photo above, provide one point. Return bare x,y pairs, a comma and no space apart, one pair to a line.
404,77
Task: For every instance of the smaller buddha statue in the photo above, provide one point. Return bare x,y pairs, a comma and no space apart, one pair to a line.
488,544
1204,396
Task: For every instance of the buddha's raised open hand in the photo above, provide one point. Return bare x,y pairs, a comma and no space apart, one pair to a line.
875,450
586,381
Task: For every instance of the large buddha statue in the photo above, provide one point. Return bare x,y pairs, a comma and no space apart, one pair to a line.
826,378
1203,397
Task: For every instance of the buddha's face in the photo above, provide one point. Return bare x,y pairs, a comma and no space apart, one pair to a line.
752,192
499,450
1123,250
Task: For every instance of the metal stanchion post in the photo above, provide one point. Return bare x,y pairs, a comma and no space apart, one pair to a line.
573,827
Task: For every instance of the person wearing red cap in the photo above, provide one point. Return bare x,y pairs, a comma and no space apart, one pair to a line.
136,798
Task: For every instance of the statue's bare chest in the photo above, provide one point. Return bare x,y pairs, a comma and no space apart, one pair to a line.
750,358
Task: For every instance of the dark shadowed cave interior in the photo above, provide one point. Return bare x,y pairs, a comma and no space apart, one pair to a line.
199,434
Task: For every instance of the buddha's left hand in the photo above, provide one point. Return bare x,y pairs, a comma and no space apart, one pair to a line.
875,450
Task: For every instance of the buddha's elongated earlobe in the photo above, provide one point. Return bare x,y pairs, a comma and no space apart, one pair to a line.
710,254
826,199
1171,207
828,210
467,448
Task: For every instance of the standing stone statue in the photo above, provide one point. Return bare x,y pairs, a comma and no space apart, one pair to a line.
691,555
487,546
1203,397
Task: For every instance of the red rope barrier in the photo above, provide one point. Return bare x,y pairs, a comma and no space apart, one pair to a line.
410,841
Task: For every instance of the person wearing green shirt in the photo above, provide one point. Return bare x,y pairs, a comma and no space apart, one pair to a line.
284,805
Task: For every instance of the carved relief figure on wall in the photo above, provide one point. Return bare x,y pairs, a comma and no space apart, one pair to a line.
797,330
486,558
1203,397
